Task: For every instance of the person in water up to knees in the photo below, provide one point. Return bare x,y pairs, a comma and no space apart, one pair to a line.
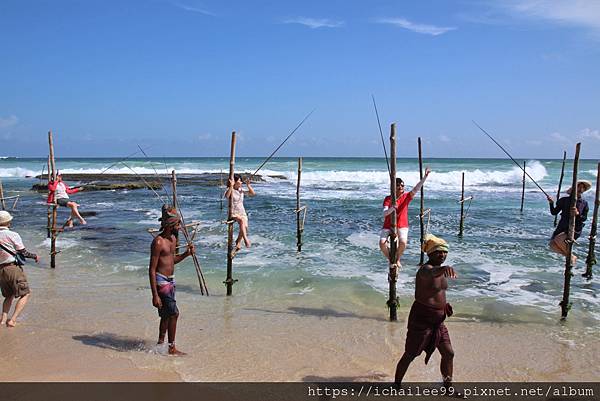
13,281
161,273
401,235
238,212
558,241
58,190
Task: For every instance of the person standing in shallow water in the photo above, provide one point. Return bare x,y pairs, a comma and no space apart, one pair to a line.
161,273
402,201
558,241
238,212
426,329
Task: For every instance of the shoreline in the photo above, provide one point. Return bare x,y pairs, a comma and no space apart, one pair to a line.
292,339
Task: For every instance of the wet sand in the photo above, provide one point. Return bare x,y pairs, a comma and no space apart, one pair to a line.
108,333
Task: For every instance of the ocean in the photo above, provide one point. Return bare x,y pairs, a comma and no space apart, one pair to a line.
506,272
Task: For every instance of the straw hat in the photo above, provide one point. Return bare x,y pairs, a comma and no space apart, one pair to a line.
5,217
587,185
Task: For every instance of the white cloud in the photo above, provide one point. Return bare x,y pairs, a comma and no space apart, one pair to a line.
8,121
557,137
444,138
583,13
315,23
415,27
194,9
205,137
533,142
588,133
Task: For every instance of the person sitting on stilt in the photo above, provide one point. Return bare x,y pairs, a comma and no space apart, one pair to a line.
402,201
60,191
238,212
558,241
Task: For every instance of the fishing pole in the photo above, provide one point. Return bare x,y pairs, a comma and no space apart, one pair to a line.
284,141
145,182
511,158
155,172
381,133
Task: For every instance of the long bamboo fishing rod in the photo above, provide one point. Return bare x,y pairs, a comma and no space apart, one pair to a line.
381,134
282,143
145,182
511,158
155,172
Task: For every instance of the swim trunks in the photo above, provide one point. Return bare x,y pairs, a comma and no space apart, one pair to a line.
166,292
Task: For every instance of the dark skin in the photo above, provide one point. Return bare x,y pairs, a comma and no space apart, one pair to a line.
163,261
430,289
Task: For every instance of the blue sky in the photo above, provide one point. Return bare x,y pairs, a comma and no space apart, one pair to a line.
180,75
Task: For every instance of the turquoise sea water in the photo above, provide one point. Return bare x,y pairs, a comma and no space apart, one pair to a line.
506,270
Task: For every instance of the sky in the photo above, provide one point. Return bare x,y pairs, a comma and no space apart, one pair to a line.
178,76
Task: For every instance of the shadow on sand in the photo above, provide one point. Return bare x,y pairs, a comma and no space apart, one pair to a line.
322,313
112,341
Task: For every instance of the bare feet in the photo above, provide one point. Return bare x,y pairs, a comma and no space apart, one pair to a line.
2,323
175,352
238,246
83,222
11,323
247,243
70,223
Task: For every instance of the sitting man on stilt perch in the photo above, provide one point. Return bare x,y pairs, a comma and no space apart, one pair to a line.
402,201
238,212
558,242
60,191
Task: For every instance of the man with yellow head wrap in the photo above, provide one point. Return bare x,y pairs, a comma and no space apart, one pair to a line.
426,329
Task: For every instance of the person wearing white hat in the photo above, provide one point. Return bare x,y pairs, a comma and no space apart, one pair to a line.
558,241
13,281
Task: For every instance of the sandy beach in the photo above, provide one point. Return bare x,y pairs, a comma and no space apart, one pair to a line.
236,339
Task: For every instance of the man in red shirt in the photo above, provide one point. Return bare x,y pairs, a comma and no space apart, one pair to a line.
402,201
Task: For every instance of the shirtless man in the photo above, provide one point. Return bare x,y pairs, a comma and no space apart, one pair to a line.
162,281
426,329
238,212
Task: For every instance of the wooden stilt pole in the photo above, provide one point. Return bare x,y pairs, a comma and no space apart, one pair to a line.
590,261
230,251
221,188
422,206
53,230
392,302
565,304
523,192
2,196
49,225
188,239
462,207
562,174
299,225
174,190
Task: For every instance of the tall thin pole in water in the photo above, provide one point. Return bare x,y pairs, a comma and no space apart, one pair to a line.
393,269
565,304
462,207
562,174
299,222
2,196
54,205
422,206
49,225
230,254
590,261
523,192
